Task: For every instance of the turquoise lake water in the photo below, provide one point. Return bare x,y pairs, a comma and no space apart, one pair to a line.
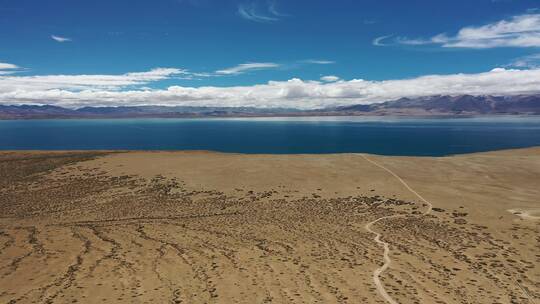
388,136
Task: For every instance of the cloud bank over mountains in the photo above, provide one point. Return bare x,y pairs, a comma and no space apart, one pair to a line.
521,76
131,89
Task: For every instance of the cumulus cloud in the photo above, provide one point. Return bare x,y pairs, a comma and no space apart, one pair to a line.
60,39
258,11
117,90
517,31
245,67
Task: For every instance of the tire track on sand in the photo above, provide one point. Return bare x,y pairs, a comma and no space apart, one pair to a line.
386,254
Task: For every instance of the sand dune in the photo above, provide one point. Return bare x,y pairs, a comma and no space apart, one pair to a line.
203,227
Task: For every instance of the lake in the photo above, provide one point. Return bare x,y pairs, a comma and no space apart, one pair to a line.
377,135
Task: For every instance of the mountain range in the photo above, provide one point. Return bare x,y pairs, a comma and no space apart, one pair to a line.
462,105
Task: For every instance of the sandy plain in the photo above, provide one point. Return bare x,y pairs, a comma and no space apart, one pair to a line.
204,227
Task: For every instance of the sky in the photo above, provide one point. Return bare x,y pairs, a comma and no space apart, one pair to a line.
264,53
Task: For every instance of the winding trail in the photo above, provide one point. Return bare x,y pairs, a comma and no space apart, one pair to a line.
386,255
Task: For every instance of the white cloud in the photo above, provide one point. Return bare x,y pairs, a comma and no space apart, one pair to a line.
249,13
245,67
255,11
272,8
526,62
517,31
8,68
379,40
416,41
117,90
254,66
60,39
84,82
330,78
318,61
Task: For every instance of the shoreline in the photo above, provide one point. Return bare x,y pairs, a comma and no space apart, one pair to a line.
41,151
394,116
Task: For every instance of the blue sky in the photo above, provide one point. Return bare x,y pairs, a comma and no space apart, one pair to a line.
247,43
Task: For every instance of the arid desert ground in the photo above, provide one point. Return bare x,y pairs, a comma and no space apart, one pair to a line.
204,227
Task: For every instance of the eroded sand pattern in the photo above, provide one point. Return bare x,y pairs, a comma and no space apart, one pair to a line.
200,227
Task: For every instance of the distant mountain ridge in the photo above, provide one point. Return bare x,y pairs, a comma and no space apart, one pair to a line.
423,106
48,111
454,105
